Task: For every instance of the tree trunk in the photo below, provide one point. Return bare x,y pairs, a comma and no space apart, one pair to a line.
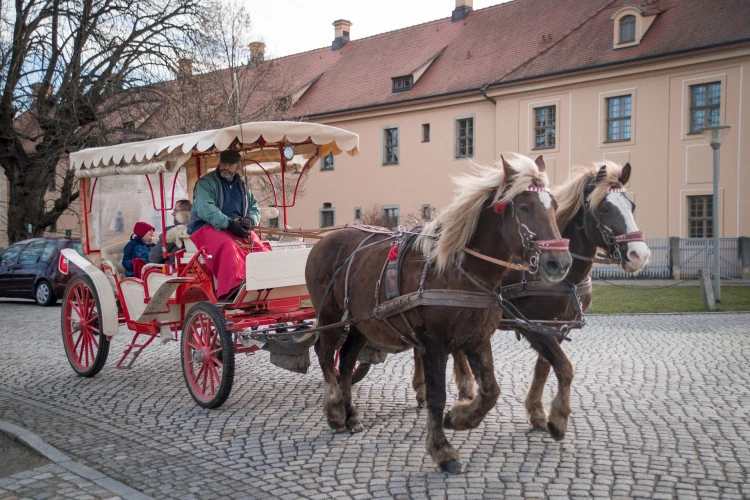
28,183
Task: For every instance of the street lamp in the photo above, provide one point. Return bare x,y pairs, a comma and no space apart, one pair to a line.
715,135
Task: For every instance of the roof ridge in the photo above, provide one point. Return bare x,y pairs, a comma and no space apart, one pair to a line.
566,35
403,29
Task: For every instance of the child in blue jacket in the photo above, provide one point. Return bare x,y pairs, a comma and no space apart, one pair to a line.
137,249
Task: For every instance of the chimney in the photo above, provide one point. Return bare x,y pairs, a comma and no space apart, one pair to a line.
184,67
463,7
257,53
341,33
36,89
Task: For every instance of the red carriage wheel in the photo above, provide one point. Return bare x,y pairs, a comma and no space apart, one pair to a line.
207,355
359,372
86,347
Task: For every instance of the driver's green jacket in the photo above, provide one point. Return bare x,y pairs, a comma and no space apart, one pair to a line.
207,203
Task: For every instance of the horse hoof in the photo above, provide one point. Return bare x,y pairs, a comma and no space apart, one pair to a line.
420,403
451,467
448,425
557,434
336,427
355,428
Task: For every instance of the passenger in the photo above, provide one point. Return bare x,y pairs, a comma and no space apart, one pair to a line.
223,210
135,254
181,215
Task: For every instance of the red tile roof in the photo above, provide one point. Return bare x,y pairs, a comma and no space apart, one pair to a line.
521,39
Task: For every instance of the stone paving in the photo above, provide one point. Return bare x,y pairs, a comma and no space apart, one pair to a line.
661,405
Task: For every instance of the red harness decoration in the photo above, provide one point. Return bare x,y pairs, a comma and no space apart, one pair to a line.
560,245
393,252
629,237
500,207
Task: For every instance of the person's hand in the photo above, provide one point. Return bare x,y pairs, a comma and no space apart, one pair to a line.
247,223
236,229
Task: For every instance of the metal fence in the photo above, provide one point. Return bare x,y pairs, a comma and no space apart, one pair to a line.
698,253
657,268
695,254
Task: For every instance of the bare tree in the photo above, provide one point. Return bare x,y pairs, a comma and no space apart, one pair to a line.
225,78
373,216
73,73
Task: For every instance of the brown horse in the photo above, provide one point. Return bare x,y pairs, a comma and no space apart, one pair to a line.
498,213
593,212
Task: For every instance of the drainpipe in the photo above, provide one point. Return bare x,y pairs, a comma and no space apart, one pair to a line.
484,93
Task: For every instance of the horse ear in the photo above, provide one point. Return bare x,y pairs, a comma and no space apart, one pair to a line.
540,163
601,174
625,175
508,169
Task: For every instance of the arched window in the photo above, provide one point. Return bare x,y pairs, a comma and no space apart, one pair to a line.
627,29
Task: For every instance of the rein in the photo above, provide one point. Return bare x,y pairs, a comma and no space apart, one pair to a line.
558,245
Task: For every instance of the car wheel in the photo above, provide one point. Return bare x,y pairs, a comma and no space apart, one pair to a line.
44,295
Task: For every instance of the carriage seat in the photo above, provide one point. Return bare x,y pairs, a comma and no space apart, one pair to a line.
111,257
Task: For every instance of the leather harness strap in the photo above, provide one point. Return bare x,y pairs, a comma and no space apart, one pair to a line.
499,262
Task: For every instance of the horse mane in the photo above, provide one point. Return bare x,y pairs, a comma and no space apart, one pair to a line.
443,239
571,195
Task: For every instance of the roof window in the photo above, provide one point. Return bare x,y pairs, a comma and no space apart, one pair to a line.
402,83
630,24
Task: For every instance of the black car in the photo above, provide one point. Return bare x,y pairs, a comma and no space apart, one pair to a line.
36,269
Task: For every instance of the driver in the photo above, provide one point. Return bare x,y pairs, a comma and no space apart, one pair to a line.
223,208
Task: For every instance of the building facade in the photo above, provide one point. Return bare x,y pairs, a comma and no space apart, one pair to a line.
621,81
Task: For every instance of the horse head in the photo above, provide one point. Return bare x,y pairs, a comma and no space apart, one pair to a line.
526,217
608,217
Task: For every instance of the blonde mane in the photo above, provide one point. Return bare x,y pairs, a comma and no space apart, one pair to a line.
443,240
570,196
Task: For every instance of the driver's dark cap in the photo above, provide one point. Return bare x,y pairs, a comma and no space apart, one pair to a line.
230,157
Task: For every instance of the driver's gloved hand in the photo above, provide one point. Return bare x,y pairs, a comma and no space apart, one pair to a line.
247,223
236,229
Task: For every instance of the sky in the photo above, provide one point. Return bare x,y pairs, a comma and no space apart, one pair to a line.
292,26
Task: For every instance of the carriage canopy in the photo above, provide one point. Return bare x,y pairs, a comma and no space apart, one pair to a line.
258,141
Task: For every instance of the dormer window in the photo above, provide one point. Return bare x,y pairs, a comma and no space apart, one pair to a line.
630,24
402,83
627,29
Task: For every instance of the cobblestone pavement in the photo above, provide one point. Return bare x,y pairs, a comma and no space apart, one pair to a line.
661,405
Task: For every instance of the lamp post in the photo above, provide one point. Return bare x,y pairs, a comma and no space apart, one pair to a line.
716,134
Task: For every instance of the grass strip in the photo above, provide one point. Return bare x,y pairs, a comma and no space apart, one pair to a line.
616,299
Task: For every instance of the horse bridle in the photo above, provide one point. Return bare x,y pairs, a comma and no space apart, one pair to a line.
611,240
532,248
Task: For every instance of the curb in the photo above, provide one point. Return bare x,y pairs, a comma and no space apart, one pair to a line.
54,455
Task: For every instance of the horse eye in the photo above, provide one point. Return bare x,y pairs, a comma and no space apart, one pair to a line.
524,209
604,209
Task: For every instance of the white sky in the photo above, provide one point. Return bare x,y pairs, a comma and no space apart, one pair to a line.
292,26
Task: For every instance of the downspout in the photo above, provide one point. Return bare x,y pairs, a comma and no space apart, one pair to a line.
484,93
494,102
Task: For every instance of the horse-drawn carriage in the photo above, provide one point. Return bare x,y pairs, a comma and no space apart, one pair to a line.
492,256
142,181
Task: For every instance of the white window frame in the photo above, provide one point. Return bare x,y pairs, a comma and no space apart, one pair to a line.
384,146
531,138
603,115
686,102
327,210
456,138
383,208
